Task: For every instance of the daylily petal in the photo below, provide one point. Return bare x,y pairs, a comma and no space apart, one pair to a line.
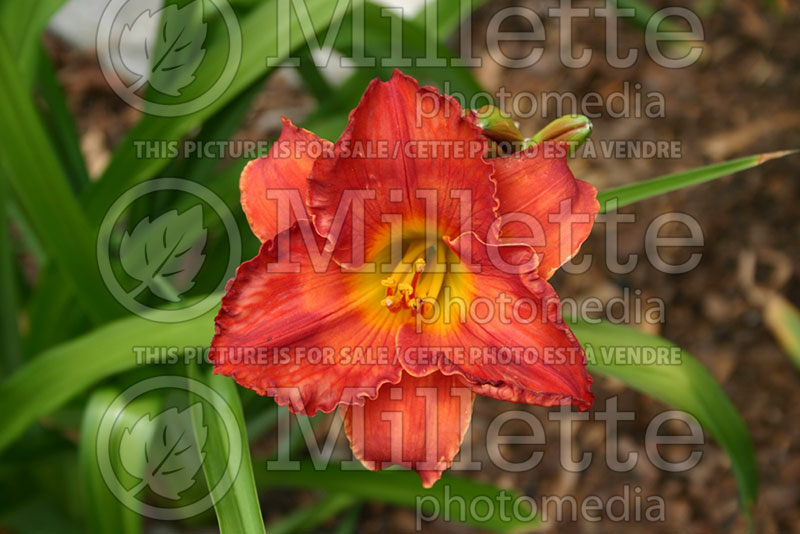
510,342
402,144
284,171
418,423
538,183
297,335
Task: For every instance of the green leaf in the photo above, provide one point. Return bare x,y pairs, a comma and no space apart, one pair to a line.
29,241
223,125
308,517
687,386
11,357
62,372
40,517
175,49
22,24
172,458
377,43
628,194
59,123
105,512
449,15
312,76
238,510
53,312
261,35
783,319
403,488
349,523
43,191
165,254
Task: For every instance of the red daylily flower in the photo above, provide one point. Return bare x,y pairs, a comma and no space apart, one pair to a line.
372,330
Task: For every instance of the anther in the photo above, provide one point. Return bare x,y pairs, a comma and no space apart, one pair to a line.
405,288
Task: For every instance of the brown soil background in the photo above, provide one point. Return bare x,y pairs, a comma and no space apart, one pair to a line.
740,98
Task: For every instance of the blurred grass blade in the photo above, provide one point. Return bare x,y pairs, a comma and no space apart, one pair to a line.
686,386
783,319
107,513
378,43
9,322
30,242
261,35
307,518
44,194
349,523
60,373
238,510
40,516
22,24
312,76
402,488
628,194
264,419
60,124
449,15
52,313
223,125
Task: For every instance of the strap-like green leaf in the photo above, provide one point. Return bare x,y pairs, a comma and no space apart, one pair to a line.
261,36
331,116
402,488
9,322
108,513
687,386
306,518
628,194
448,17
39,183
59,123
783,319
60,373
238,510
22,24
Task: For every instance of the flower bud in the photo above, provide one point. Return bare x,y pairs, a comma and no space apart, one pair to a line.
497,125
572,129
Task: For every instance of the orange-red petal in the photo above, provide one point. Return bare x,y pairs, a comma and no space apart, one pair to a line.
537,183
511,344
387,150
300,336
418,423
283,171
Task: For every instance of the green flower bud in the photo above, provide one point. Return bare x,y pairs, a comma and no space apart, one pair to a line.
497,125
572,129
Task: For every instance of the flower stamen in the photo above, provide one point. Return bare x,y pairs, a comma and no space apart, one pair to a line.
390,284
407,288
